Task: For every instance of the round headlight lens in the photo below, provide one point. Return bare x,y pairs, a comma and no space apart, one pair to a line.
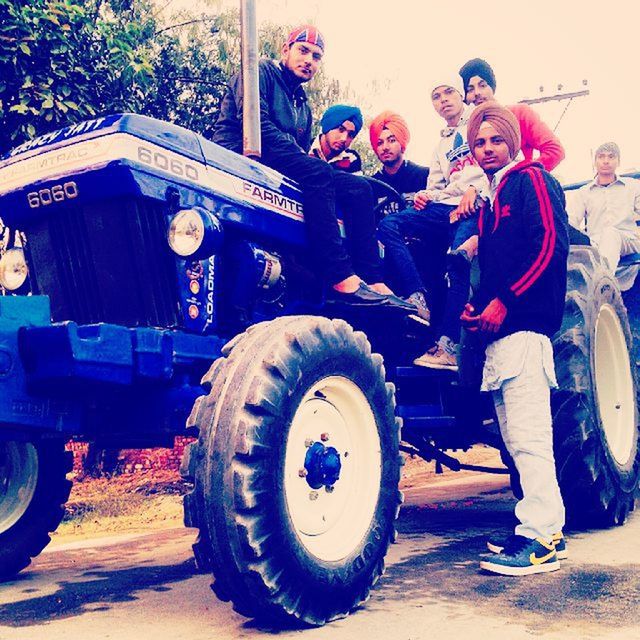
186,232
13,269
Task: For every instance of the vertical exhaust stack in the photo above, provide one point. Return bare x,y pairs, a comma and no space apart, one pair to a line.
251,138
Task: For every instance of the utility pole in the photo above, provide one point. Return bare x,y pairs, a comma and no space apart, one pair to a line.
558,97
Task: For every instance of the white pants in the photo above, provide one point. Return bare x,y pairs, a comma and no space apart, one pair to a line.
522,400
613,243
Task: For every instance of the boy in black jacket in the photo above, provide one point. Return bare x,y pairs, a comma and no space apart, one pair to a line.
354,277
519,305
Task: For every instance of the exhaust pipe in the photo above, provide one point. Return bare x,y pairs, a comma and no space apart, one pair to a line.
251,138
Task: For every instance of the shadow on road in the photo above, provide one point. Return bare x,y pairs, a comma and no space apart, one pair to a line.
593,594
95,590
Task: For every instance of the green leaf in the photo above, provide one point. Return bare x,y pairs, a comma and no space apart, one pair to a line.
24,47
19,108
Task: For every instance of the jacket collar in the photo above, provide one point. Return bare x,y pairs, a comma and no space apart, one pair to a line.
464,118
290,81
517,168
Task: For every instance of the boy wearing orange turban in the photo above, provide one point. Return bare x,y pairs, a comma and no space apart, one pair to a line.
389,136
517,309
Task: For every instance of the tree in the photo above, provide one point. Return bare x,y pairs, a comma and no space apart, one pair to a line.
63,61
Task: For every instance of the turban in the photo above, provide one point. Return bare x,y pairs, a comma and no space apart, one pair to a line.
334,116
608,147
306,33
477,67
452,81
504,122
395,123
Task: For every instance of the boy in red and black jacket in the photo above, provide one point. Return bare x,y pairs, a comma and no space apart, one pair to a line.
522,251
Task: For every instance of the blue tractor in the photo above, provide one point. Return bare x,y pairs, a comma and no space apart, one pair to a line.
153,279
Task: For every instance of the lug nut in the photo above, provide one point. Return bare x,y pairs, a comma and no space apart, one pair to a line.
302,473
313,495
324,437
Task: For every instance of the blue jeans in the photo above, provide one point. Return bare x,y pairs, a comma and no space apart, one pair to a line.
436,234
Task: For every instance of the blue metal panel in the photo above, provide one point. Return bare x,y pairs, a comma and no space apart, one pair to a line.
20,409
108,353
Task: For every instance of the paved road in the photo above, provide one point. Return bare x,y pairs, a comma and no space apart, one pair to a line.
147,586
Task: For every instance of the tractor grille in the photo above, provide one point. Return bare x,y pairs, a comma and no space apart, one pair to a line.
106,262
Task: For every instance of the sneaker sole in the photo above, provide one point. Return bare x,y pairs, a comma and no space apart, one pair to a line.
417,318
504,570
494,548
445,367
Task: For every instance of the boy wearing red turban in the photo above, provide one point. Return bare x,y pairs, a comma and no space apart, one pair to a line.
285,121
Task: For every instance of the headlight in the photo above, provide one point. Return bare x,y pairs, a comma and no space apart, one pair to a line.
195,233
13,269
186,232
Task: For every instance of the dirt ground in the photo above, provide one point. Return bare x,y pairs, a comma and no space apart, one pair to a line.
151,500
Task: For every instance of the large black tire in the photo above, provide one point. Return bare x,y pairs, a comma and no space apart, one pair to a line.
286,541
594,409
33,490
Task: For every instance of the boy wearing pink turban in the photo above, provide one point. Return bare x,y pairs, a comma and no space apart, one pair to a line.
517,309
354,273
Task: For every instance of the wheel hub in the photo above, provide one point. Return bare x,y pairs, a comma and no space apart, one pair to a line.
323,466
333,467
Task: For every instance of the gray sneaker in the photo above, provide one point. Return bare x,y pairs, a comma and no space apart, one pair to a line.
437,358
422,314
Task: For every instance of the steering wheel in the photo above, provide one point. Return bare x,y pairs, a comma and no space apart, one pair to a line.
385,194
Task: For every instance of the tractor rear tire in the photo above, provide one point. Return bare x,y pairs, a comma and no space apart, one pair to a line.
595,407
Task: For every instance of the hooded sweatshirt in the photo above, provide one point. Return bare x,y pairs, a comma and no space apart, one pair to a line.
523,251
453,168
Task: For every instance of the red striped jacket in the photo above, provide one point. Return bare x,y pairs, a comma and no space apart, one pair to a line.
523,251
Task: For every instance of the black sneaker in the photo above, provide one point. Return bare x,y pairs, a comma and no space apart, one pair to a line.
362,296
522,557
365,296
496,544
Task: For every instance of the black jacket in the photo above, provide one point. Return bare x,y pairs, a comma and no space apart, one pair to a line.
523,251
409,178
285,115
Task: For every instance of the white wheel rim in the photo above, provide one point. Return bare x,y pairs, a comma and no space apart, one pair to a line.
18,479
614,385
332,524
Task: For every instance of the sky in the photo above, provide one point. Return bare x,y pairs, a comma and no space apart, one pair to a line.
391,53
